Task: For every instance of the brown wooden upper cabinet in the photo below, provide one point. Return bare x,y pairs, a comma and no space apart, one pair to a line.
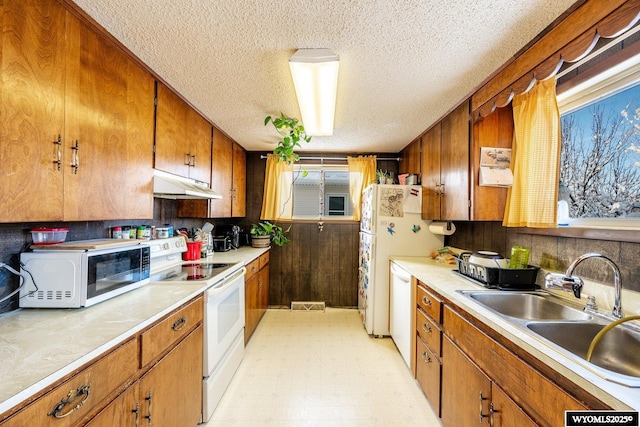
183,138
445,167
77,122
495,130
410,161
228,178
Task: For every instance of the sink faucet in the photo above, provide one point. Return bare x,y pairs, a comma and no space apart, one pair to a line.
568,282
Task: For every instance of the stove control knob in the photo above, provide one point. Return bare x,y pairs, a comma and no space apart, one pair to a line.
165,246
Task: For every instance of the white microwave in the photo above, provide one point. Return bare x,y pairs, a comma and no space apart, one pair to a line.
82,273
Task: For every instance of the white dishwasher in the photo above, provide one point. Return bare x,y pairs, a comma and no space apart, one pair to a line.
400,311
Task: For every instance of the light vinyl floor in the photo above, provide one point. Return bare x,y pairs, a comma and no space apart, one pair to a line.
314,368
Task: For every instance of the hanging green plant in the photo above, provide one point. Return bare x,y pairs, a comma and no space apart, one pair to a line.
292,133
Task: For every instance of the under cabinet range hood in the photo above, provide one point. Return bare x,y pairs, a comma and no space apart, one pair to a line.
169,186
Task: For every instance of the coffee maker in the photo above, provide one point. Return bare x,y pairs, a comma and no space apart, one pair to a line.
233,232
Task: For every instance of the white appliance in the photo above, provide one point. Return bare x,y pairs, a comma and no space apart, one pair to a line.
223,346
391,224
82,273
400,311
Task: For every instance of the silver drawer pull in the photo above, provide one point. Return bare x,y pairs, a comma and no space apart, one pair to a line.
179,324
426,327
426,301
425,357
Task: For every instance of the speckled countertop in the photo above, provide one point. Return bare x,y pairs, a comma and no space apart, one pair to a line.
40,346
442,280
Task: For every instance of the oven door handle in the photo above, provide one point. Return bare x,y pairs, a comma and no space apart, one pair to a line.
229,280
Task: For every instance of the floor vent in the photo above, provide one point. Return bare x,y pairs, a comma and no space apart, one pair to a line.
307,305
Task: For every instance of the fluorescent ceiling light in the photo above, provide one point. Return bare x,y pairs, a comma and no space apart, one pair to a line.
315,77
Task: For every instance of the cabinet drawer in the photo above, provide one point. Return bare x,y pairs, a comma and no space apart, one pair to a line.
171,329
83,393
431,304
252,268
264,259
429,332
428,374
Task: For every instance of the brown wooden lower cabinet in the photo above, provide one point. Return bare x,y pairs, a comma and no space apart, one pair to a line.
474,363
125,410
121,389
256,293
171,392
470,378
428,374
469,397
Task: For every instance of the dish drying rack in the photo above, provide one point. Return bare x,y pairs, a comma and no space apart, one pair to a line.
521,279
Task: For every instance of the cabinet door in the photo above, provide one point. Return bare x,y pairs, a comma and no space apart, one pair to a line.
251,301
32,56
263,290
410,158
199,138
454,168
431,173
171,392
238,202
172,151
466,391
221,175
495,130
428,373
123,411
109,130
505,412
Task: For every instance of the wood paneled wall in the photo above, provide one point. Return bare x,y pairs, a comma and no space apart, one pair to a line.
553,253
316,265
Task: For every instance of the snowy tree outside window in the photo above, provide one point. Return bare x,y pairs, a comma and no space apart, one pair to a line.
600,158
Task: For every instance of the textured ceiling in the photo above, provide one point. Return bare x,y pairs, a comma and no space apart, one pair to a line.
403,63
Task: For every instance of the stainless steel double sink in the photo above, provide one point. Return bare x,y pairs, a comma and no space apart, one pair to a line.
570,330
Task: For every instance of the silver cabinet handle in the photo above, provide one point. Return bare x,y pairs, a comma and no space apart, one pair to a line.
482,398
58,143
149,402
137,412
492,411
75,164
425,357
426,301
426,327
179,324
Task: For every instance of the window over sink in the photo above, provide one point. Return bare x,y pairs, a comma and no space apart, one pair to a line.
600,160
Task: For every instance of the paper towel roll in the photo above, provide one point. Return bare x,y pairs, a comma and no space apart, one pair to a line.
441,228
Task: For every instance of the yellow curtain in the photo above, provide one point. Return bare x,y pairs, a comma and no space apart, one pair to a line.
277,201
532,200
362,172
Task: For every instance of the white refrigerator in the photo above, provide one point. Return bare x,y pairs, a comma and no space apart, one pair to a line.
391,224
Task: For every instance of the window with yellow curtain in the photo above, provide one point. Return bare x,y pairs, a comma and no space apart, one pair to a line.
362,172
325,192
532,199
277,201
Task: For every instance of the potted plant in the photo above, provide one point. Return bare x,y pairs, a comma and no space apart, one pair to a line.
382,176
263,233
292,133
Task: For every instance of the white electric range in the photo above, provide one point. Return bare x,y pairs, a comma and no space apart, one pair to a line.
223,347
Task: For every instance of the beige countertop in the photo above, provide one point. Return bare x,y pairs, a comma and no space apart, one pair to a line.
40,346
441,278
